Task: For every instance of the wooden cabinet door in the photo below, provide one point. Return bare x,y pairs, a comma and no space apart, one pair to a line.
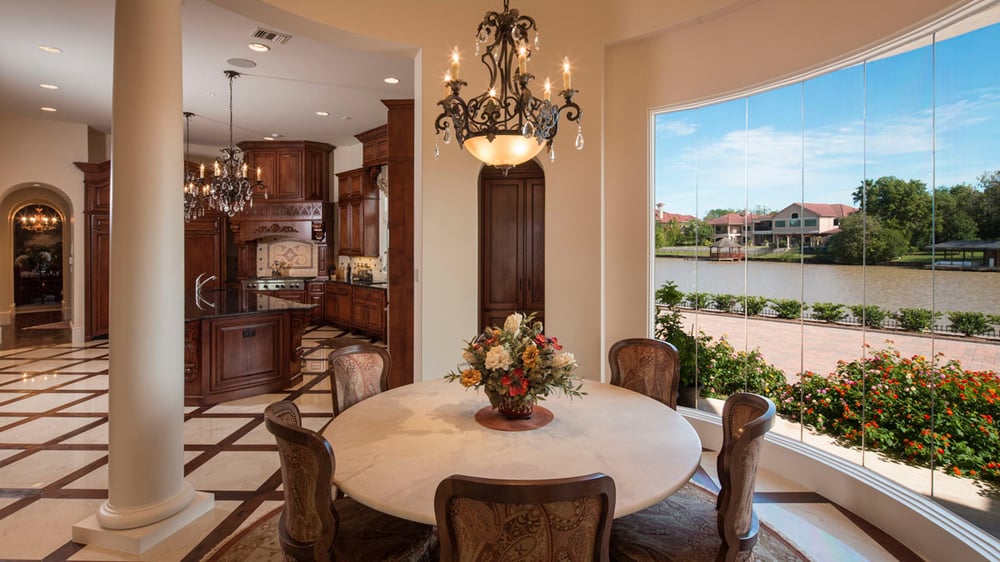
343,305
246,260
290,295
512,243
315,295
98,279
204,252
290,184
267,161
317,165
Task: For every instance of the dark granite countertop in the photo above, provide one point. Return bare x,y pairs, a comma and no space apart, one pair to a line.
227,302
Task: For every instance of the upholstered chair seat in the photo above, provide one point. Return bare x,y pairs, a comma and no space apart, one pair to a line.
489,520
661,533
357,372
311,526
647,366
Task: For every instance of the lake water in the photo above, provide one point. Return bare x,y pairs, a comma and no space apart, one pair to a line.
887,286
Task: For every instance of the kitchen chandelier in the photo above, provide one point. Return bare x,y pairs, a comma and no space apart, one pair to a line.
228,190
506,124
43,219
195,188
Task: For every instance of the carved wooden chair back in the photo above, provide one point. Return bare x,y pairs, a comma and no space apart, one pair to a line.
647,366
307,525
491,519
746,418
357,372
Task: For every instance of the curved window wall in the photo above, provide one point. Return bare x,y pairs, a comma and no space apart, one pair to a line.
835,244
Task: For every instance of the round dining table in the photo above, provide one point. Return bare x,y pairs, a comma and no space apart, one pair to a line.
392,450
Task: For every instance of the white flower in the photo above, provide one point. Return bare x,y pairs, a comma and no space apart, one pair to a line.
498,358
512,325
563,359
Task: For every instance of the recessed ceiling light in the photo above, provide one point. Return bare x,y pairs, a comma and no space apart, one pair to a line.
322,113
268,138
277,135
48,108
49,86
346,118
391,80
50,49
259,47
241,63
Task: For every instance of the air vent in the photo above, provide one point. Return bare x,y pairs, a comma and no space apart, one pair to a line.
272,36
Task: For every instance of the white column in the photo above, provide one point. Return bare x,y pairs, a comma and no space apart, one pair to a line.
147,493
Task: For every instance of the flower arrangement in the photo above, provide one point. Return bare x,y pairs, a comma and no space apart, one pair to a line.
517,365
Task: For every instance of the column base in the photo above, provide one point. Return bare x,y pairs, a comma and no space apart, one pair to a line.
140,539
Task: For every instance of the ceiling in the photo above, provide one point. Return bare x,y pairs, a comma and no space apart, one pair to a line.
317,69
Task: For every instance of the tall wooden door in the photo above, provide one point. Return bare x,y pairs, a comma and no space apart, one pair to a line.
512,243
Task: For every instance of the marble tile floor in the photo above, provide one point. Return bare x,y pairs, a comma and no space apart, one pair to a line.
53,464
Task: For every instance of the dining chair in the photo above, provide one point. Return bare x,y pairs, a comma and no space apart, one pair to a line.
647,366
660,533
357,372
482,519
314,527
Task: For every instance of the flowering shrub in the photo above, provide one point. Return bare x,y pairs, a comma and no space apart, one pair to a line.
725,371
517,363
911,408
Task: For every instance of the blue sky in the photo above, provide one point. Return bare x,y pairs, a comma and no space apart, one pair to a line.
931,114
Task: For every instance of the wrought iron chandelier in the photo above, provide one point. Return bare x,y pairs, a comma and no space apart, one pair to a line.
229,190
42,220
195,187
506,124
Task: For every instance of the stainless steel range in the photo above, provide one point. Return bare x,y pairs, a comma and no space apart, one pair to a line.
274,284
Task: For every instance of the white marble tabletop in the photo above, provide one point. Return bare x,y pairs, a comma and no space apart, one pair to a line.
394,448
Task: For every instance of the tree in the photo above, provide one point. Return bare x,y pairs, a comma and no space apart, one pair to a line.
696,232
903,206
864,239
716,213
988,217
668,234
955,213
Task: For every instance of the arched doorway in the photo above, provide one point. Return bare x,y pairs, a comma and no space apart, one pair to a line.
38,251
511,243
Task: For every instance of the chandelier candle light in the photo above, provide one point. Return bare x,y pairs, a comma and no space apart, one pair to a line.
505,125
39,221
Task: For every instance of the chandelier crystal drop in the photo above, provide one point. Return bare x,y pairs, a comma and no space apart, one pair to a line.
229,189
506,124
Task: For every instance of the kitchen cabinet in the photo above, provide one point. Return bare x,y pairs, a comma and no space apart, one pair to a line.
205,251
357,206
97,247
374,146
316,294
338,304
368,310
293,295
289,170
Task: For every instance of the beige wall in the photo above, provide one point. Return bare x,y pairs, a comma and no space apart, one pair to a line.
36,164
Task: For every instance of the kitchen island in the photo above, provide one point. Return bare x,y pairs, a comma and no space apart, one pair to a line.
237,347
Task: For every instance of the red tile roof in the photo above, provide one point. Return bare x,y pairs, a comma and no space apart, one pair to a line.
667,217
829,210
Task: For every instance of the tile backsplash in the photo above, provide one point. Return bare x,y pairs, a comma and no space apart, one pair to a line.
299,259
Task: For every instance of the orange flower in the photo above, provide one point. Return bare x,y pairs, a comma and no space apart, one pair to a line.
471,377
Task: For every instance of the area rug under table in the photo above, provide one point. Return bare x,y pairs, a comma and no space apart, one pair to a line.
692,507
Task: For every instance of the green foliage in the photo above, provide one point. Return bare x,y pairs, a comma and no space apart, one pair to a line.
752,305
788,308
988,217
699,300
907,408
969,323
916,319
955,212
667,234
900,205
696,233
828,311
727,371
870,315
669,294
864,239
725,302
716,213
